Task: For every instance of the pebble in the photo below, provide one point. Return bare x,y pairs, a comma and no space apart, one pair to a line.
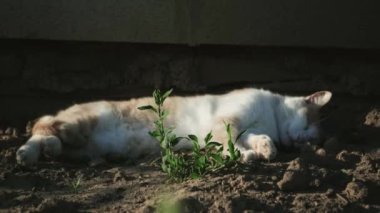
356,191
321,152
330,192
8,131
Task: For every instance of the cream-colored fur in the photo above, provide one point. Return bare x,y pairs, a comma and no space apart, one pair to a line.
104,129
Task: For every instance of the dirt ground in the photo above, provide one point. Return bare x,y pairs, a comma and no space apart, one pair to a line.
340,174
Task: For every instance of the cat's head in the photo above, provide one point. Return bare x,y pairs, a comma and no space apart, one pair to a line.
302,120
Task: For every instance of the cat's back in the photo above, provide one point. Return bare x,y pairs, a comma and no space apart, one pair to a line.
85,111
247,99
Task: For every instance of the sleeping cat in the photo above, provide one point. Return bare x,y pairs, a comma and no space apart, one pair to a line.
108,129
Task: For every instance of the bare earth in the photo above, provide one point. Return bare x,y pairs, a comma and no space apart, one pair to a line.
341,174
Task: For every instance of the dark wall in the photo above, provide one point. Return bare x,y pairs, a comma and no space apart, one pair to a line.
39,77
338,23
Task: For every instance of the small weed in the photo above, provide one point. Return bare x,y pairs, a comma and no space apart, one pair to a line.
178,166
76,184
234,153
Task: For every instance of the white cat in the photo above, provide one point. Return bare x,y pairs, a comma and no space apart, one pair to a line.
99,130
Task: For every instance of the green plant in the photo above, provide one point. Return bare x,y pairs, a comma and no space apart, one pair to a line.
76,184
209,159
171,163
179,166
234,153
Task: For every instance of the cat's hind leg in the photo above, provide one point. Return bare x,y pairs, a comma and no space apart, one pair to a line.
258,147
43,141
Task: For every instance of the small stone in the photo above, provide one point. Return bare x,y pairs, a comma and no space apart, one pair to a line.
329,192
29,127
356,191
8,131
119,176
296,176
342,155
321,152
317,183
373,118
346,156
15,133
323,172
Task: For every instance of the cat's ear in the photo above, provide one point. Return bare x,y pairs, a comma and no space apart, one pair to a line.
319,98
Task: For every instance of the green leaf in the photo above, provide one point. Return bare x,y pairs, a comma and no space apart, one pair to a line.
203,159
170,133
157,96
228,129
193,138
166,94
196,147
147,107
157,123
164,114
220,150
175,141
154,133
195,175
240,134
237,153
165,157
164,167
217,158
213,144
231,149
208,137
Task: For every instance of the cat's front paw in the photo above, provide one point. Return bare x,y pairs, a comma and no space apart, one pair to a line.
248,156
263,147
28,154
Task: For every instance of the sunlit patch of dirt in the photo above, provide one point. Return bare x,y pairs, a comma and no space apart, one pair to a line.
340,174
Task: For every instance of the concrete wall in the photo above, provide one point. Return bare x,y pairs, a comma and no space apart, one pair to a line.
338,23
